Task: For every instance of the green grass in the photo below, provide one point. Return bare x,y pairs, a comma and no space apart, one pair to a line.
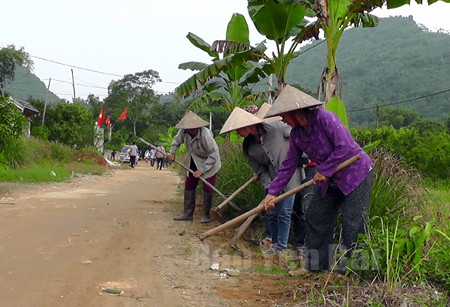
270,269
42,173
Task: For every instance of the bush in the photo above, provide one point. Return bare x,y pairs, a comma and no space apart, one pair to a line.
40,132
14,151
62,153
235,171
399,240
426,150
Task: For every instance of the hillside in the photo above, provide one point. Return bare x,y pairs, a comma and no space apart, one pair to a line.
26,84
395,61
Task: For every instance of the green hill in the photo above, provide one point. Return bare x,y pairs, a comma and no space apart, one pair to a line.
395,61
26,85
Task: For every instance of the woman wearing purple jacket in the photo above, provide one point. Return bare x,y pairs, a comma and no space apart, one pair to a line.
322,136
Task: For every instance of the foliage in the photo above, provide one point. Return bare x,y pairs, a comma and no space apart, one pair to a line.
40,158
378,76
9,58
437,268
394,188
426,151
234,173
281,21
228,87
336,105
334,17
11,124
11,121
61,153
133,91
4,164
396,117
399,237
168,139
70,124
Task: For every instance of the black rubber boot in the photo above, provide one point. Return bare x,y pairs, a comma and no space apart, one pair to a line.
189,206
207,203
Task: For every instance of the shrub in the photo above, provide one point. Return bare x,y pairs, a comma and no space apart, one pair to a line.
234,173
399,238
61,152
14,151
40,132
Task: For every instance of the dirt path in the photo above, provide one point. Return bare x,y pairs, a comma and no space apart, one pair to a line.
61,243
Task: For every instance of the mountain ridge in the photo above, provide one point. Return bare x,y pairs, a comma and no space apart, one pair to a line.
395,61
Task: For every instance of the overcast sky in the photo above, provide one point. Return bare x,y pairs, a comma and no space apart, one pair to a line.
124,37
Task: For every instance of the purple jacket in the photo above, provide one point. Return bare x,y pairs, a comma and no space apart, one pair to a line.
328,143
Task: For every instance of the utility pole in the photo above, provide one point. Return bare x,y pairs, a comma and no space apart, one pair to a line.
269,100
73,84
46,99
210,121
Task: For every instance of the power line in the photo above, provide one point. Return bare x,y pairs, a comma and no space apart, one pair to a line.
91,70
73,66
312,47
94,86
399,102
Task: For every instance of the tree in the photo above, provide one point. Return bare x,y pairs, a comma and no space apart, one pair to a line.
9,58
70,124
12,121
133,91
281,21
396,117
334,17
228,86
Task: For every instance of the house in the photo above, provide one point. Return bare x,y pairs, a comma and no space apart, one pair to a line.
28,110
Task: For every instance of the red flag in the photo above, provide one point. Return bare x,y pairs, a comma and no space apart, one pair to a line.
101,118
108,121
123,115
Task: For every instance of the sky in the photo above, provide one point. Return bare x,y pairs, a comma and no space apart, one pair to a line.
114,38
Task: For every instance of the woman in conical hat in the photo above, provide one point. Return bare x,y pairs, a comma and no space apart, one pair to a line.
204,160
322,136
266,145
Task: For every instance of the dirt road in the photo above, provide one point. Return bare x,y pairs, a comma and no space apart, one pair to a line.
61,243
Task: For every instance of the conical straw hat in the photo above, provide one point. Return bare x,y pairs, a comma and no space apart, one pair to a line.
239,119
191,121
291,99
263,111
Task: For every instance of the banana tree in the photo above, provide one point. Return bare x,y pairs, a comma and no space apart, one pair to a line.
229,70
334,17
280,21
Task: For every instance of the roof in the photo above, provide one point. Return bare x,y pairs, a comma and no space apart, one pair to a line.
26,108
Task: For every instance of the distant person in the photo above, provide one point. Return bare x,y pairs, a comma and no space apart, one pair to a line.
133,153
113,155
147,156
160,154
204,160
152,157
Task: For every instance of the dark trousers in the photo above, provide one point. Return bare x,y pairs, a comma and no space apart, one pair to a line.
191,182
152,161
132,161
321,219
159,163
302,201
